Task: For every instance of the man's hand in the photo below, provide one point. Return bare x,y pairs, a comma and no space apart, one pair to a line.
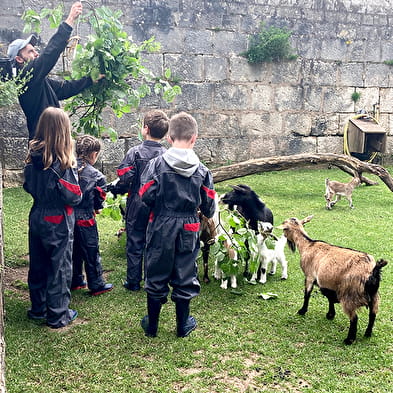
100,76
75,11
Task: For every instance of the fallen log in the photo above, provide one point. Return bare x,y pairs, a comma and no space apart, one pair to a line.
346,163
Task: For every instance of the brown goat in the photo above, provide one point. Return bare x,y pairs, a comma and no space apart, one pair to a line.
344,276
207,234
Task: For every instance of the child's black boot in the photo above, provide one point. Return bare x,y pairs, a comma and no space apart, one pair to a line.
185,322
149,322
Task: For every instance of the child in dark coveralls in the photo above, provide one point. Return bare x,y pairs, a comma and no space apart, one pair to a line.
155,127
93,184
52,180
174,186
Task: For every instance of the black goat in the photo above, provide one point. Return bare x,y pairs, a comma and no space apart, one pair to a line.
248,204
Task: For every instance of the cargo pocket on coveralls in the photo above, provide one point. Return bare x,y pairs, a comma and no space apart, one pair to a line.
189,237
54,219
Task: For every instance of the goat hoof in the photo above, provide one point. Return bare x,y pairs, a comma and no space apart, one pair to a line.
302,312
206,280
348,341
283,278
330,316
367,334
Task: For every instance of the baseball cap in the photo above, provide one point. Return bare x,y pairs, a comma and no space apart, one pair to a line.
17,45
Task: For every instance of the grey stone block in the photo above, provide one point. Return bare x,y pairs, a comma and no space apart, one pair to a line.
288,98
330,144
215,68
351,74
189,67
13,122
297,123
242,71
231,97
195,96
14,152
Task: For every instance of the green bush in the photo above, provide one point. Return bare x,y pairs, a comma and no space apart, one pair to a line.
270,45
355,96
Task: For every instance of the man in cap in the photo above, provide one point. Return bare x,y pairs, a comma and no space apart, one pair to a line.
41,91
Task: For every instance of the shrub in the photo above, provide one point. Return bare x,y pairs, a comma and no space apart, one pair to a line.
355,97
269,45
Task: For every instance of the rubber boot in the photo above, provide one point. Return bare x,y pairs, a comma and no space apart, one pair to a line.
149,322
185,323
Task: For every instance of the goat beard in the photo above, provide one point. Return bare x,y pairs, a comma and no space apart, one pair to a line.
291,245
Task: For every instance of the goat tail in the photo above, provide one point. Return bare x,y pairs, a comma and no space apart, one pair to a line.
372,283
327,181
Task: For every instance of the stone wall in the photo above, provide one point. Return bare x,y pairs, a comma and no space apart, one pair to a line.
244,111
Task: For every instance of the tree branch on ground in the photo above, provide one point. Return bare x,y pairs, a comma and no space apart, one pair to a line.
346,163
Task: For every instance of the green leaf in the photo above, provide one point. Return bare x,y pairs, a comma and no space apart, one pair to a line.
267,295
168,73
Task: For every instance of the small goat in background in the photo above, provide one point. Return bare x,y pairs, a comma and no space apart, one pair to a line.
338,189
344,276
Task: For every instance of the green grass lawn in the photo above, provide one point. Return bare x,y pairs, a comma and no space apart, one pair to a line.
242,344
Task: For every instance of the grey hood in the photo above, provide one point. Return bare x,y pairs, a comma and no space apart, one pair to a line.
183,161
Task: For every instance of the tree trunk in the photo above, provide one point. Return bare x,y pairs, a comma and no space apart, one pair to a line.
346,163
2,342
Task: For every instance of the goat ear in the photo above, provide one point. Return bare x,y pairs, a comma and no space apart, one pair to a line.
237,188
307,219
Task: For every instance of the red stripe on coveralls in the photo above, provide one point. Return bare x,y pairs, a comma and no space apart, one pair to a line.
194,227
151,217
122,171
102,192
74,188
54,219
145,187
210,193
86,223
69,209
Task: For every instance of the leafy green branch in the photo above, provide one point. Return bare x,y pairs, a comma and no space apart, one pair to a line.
11,88
242,239
111,52
114,206
33,19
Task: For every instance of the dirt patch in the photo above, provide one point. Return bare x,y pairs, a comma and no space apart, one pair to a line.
15,280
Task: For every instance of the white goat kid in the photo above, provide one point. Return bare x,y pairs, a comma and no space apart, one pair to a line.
338,189
219,274
270,256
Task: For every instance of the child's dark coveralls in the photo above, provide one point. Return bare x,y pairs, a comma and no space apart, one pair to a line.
174,194
51,228
137,213
86,243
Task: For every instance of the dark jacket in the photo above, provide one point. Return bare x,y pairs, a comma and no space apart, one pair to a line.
177,183
52,189
93,186
133,165
41,91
